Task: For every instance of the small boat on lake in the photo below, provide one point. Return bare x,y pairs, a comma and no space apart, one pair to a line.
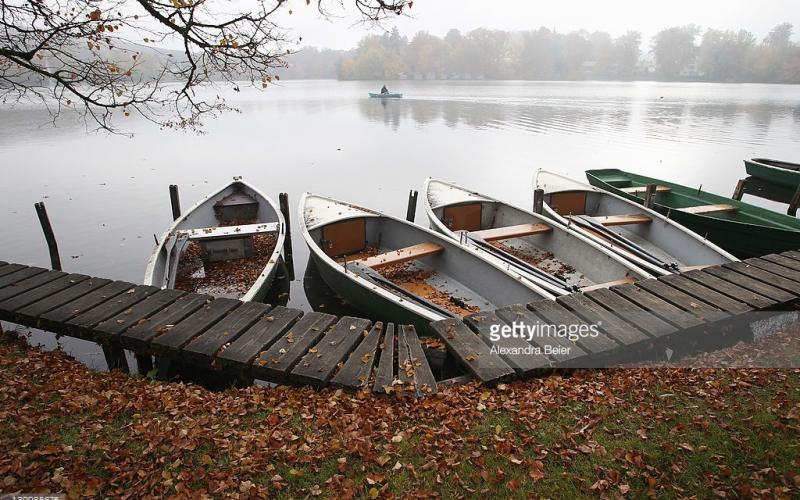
394,270
544,251
641,235
742,229
385,95
227,245
774,171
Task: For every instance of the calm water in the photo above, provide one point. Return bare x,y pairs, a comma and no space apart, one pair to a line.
107,195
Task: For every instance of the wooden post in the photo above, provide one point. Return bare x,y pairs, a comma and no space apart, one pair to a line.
794,203
175,199
144,363
411,211
55,260
115,357
538,200
283,198
739,191
649,195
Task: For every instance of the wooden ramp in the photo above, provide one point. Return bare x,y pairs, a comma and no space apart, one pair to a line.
247,339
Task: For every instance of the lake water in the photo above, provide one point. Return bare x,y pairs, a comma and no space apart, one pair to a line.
107,195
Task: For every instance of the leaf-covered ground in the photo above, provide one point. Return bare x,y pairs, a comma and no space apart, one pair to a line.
659,432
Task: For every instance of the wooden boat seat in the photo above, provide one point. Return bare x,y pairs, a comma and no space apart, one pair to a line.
707,209
642,189
598,286
508,232
213,233
402,255
624,220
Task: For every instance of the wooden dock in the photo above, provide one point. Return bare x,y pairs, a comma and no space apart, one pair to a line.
693,311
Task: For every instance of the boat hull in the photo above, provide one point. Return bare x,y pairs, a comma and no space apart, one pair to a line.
772,173
390,95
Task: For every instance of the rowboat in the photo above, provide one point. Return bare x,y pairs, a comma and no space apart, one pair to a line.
227,245
393,270
640,235
385,95
742,229
545,252
775,171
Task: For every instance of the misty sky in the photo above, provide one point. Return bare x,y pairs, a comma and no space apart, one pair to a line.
612,16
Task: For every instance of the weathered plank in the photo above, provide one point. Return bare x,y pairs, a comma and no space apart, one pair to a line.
384,375
275,362
412,366
355,372
706,294
555,314
242,351
630,312
318,365
778,269
657,306
204,347
41,293
471,351
510,232
141,332
765,276
614,326
792,254
20,275
693,305
401,255
11,268
517,352
29,284
707,209
96,299
561,350
743,281
180,334
126,314
729,289
783,260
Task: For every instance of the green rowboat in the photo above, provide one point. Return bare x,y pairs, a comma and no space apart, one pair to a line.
775,171
743,229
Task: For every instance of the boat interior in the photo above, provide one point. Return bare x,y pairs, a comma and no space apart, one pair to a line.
519,235
609,213
778,163
410,263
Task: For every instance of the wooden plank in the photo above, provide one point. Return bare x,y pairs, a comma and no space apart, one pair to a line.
560,350
20,275
192,326
632,313
141,332
792,254
693,305
517,352
126,314
95,300
657,306
783,261
772,267
355,372
318,365
43,292
242,351
65,299
11,268
642,189
749,283
707,209
29,284
614,326
472,352
552,312
623,220
275,362
222,232
402,255
3,263
598,286
412,366
706,294
509,232
204,347
765,276
384,375
728,289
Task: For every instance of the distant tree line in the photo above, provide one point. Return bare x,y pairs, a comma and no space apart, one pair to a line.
677,53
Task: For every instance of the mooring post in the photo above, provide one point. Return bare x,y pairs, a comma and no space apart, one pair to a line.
739,191
115,357
538,200
411,211
52,246
649,195
175,199
794,203
283,198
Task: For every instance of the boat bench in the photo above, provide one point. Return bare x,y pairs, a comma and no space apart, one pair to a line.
508,232
642,189
598,286
707,209
401,255
212,233
623,220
